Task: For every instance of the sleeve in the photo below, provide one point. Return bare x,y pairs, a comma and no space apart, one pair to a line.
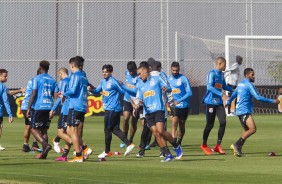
56,104
256,95
34,83
139,94
210,87
97,90
6,101
118,87
187,89
73,86
132,90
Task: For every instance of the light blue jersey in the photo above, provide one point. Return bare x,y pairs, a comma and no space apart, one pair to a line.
244,92
28,92
46,86
4,99
215,85
131,86
111,89
64,86
77,92
181,90
150,92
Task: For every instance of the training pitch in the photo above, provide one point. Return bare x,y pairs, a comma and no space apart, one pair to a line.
256,167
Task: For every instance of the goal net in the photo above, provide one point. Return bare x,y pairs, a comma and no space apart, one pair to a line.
263,54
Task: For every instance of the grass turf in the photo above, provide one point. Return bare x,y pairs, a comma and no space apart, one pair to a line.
257,167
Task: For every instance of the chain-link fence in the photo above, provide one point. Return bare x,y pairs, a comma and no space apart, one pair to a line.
115,32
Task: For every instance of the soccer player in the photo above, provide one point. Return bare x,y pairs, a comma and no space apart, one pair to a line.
232,77
245,92
5,100
111,89
77,93
181,91
86,150
62,121
24,107
150,95
214,105
44,91
132,81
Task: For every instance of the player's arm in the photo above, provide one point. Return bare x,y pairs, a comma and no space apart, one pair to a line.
233,96
119,88
258,97
131,90
7,104
164,85
188,90
97,90
210,83
15,91
74,81
32,96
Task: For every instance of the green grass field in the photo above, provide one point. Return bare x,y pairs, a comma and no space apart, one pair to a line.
257,167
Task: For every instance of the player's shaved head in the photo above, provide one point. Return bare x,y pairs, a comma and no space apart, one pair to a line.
63,70
220,63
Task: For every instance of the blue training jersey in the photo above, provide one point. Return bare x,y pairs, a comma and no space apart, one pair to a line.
131,86
215,85
4,99
150,92
244,92
46,86
28,92
181,90
111,89
64,86
77,92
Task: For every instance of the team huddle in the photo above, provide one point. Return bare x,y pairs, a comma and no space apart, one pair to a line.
147,94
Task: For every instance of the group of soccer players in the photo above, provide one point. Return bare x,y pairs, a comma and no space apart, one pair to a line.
147,92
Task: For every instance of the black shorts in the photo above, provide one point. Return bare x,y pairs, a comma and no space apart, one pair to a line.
75,117
62,121
127,106
40,119
243,118
27,120
181,113
111,119
153,118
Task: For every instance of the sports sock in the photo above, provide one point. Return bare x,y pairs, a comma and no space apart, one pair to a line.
84,147
34,144
179,141
57,139
240,142
165,150
78,154
66,152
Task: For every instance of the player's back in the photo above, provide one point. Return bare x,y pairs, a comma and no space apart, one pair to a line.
46,86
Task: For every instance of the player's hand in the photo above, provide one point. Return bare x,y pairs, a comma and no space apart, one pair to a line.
28,113
51,114
276,101
23,90
224,96
121,83
164,88
89,88
10,119
176,102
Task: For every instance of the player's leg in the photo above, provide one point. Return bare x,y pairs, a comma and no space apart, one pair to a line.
127,111
182,116
221,115
72,131
39,128
174,125
1,127
26,147
210,117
